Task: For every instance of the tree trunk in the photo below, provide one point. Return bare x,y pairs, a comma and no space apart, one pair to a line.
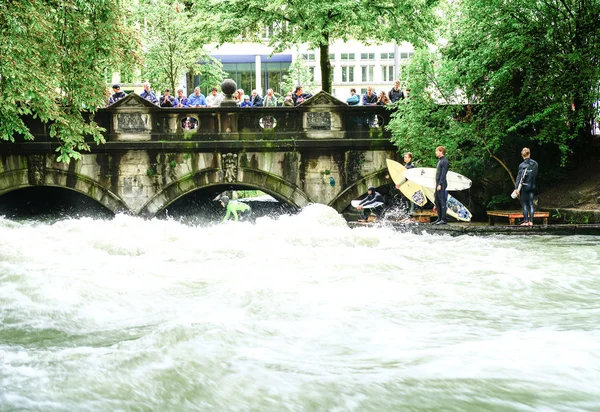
189,79
325,67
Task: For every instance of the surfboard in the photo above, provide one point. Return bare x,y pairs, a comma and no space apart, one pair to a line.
425,176
454,208
355,203
411,190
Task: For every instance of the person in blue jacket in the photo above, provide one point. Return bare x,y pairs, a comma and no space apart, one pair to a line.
197,99
369,98
354,98
246,102
149,94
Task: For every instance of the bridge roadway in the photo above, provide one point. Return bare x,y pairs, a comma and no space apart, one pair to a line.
322,151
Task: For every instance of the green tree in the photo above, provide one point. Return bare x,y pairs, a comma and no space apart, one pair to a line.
319,22
298,74
521,72
173,38
54,56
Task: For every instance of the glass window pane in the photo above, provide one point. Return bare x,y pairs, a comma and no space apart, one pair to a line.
351,56
351,73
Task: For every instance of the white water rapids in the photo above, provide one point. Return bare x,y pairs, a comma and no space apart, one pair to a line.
297,313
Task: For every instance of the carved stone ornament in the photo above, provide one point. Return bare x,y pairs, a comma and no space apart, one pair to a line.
319,120
229,163
133,122
36,169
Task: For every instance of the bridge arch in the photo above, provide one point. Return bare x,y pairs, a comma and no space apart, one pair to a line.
11,180
264,181
378,178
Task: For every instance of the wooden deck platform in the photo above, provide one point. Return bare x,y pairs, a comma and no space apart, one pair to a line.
423,216
513,215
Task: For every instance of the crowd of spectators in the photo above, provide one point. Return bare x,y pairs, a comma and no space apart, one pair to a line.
298,96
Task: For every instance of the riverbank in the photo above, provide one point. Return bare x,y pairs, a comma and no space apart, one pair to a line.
481,229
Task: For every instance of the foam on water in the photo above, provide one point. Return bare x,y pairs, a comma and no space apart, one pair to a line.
294,313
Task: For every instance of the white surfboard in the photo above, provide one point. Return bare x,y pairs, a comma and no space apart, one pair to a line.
425,176
454,208
355,203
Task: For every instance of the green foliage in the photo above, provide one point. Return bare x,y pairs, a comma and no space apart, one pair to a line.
244,194
319,22
173,37
53,61
298,74
511,74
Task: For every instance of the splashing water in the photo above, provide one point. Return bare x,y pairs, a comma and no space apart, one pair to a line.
291,314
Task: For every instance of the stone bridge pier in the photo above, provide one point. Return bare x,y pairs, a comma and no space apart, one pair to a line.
322,151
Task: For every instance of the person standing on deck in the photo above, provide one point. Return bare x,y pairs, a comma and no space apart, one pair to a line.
525,185
441,195
408,163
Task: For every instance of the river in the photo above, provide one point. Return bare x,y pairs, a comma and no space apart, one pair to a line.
294,313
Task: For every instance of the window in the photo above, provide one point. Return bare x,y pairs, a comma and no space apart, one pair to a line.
387,73
347,56
367,56
241,73
331,56
311,70
273,75
265,34
387,56
347,74
404,55
367,73
363,91
309,57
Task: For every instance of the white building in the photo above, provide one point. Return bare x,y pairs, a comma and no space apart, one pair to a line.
354,65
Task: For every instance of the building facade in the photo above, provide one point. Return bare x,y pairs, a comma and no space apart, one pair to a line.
354,65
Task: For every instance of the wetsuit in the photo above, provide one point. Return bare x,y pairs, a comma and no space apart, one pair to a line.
374,197
441,196
411,205
528,170
233,208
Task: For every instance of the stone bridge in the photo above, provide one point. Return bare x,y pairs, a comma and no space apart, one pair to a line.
321,151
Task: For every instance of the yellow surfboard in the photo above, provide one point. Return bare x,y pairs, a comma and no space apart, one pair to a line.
411,190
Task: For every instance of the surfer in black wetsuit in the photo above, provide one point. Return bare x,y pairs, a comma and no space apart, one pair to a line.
441,195
372,198
525,185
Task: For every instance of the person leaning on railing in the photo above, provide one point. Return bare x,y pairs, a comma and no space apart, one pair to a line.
117,94
149,94
197,99
354,98
369,98
270,99
181,100
166,100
